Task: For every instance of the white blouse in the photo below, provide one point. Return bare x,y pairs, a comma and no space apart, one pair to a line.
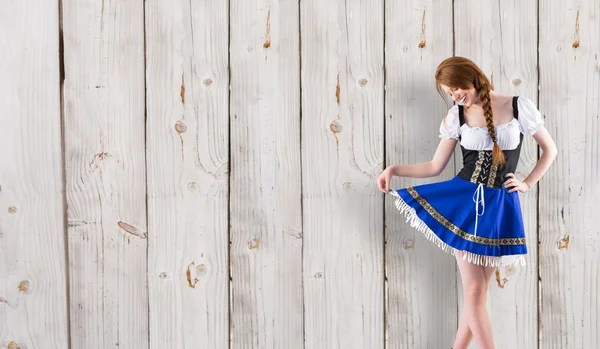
508,134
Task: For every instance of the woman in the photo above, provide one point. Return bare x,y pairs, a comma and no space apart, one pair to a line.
476,216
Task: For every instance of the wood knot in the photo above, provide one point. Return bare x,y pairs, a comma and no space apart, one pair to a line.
422,44
13,345
319,276
192,186
335,126
12,209
132,229
516,82
207,82
201,270
409,244
563,243
362,82
24,287
253,244
347,186
163,275
180,127
192,280
500,281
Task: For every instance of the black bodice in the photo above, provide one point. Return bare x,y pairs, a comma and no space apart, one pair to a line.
478,166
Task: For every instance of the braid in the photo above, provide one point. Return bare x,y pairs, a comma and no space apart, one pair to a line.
484,96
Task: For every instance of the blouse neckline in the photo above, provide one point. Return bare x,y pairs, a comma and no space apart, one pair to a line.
497,127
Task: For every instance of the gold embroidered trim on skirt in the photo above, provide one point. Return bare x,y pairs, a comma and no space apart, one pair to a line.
456,230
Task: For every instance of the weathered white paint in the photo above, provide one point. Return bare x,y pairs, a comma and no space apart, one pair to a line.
105,173
569,232
421,283
293,255
342,155
501,38
33,280
265,206
187,157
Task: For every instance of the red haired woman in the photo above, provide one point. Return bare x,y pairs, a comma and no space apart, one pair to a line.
476,215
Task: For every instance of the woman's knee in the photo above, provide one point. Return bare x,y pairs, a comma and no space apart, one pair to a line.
476,292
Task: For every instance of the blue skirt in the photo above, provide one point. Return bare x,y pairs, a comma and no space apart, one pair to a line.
486,223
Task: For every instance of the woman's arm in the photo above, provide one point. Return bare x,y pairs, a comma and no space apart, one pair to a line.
546,143
426,169
542,137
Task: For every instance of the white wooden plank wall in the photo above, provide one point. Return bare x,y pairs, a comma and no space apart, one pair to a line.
342,153
265,206
105,173
569,53
201,174
421,283
33,274
188,157
501,38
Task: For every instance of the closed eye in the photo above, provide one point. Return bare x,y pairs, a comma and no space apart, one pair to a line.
452,89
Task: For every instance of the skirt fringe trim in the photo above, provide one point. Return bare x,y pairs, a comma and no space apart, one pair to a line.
487,261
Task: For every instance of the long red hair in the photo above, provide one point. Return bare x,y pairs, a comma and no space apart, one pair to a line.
460,72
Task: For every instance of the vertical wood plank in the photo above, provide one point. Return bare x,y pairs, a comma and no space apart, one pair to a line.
342,155
105,172
187,156
421,289
501,37
569,231
266,223
33,285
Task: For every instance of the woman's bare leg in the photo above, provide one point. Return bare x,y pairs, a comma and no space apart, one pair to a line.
464,334
474,318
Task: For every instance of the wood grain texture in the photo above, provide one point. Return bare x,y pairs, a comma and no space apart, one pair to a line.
105,173
33,279
265,207
131,227
421,284
342,155
501,38
187,156
569,53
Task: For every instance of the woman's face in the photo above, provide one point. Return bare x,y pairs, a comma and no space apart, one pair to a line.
460,96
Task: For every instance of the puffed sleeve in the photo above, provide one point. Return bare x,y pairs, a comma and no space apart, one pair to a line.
450,126
530,118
